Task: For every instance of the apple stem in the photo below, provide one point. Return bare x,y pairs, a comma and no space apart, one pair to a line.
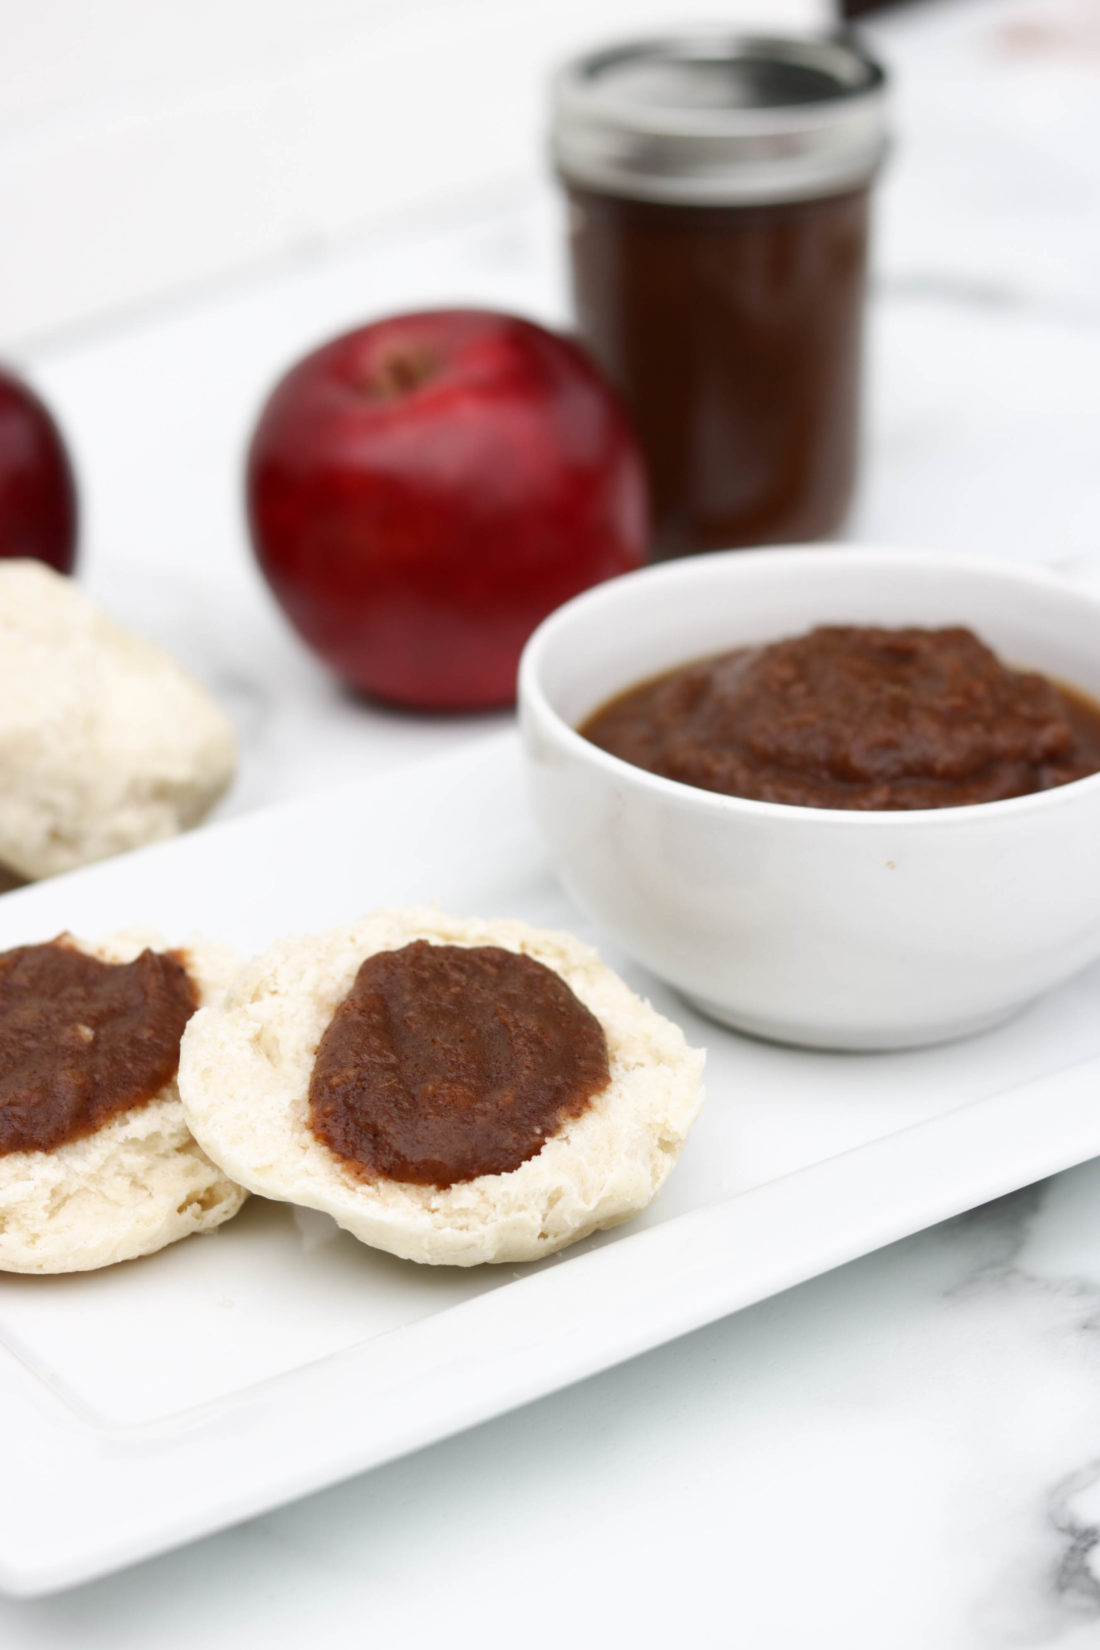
400,370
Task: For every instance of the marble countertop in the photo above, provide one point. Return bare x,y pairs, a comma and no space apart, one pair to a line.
905,1454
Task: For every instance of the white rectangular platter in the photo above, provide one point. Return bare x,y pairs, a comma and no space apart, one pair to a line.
156,1401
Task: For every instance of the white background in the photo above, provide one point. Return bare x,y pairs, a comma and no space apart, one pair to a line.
146,147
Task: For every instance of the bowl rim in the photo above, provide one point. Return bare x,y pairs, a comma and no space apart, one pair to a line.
531,695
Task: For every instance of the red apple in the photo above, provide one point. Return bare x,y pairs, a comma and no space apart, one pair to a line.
421,492
37,491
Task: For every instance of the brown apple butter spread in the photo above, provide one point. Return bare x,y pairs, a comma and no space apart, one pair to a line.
82,1040
856,718
446,1062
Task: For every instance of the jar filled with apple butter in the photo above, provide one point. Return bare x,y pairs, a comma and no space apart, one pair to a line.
718,193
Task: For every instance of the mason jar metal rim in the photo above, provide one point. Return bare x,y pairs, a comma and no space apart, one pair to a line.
607,140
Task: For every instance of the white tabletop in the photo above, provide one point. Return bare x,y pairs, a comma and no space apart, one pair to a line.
903,1454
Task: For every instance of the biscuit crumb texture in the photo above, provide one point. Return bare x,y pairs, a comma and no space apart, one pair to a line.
245,1069
106,742
137,1184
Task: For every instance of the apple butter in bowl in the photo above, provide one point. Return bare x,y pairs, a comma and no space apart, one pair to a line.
877,831
856,717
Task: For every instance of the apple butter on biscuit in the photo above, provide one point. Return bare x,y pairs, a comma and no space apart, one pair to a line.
82,1039
446,1062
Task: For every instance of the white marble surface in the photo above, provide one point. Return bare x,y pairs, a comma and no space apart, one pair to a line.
904,1455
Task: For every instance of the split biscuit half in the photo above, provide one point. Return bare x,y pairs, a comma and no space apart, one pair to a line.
135,1184
246,1067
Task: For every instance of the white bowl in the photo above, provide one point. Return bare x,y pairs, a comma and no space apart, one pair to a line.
816,925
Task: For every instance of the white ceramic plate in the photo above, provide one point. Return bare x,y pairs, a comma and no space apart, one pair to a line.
165,1398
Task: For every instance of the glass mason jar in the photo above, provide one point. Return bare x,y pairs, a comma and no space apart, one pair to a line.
718,193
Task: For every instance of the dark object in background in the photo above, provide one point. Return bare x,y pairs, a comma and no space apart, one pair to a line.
859,8
38,513
718,189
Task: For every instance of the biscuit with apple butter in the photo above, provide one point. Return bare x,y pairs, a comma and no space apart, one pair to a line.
97,1163
452,1091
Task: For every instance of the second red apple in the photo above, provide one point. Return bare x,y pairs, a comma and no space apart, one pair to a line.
423,491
